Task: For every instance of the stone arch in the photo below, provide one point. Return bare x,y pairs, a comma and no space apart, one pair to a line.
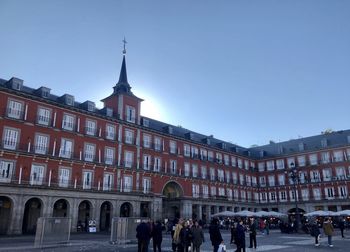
6,208
126,209
172,190
106,212
84,215
32,211
61,208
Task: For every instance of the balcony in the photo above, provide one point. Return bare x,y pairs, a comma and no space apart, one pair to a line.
14,113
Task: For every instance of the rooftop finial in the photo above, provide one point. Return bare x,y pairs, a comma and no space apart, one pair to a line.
124,41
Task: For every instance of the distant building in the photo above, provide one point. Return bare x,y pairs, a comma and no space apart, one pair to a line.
60,157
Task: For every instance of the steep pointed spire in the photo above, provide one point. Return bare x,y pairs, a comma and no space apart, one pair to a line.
123,77
123,84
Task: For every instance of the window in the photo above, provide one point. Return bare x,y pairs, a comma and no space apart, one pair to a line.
11,138
305,194
41,144
301,160
205,191
228,177
261,166
187,150
248,180
109,112
283,196
110,132
187,169
146,162
107,182
44,116
219,158
292,195
270,165
194,152
194,170
172,145
127,184
213,191
226,160
343,192
157,144
313,159
68,122
263,197
325,157
37,174
241,179
89,152
130,114
234,177
303,177
281,180
243,195
254,181
327,174
173,167
221,191
340,171
235,194
272,196
64,177
87,179
291,162
66,148
338,156
315,176
195,190
212,174
204,172
262,181
129,136
280,164
239,163
329,192
233,161
146,141
316,193
246,164
157,164
6,171
146,185
204,154
15,109
271,180
221,175
210,156
229,193
128,159
109,155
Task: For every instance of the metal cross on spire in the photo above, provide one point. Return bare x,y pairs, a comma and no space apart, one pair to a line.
124,41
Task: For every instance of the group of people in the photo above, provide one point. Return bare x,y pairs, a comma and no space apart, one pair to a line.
147,230
187,235
328,229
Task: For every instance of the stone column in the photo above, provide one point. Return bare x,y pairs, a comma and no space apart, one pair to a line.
156,207
17,215
96,213
47,207
199,211
136,208
186,209
73,213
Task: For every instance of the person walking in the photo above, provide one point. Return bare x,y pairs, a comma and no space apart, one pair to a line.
315,232
157,236
252,233
342,226
240,237
328,230
176,237
215,235
197,236
186,237
143,235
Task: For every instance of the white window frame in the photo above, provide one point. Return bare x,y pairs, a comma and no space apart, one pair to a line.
41,145
87,179
66,150
7,169
15,109
11,138
128,159
89,152
108,179
147,141
130,114
109,155
64,174
37,174
110,131
68,122
44,116
129,136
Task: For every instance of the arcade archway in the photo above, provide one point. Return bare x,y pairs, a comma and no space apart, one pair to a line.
172,194
84,215
105,216
32,212
6,207
126,210
60,208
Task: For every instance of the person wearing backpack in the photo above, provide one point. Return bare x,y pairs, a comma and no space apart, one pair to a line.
315,232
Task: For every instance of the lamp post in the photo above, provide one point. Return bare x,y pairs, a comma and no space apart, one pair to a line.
293,173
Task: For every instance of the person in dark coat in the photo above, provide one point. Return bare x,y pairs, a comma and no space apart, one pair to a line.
186,236
215,235
197,236
315,232
252,233
157,236
143,235
240,233
342,226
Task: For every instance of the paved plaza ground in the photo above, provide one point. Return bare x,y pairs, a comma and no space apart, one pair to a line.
275,241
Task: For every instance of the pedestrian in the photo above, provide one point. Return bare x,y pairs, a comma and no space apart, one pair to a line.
176,237
233,232
157,236
315,232
328,230
215,235
197,236
267,226
342,226
186,236
172,232
240,237
143,235
262,226
252,233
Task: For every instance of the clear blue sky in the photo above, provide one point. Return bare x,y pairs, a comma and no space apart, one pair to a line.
245,71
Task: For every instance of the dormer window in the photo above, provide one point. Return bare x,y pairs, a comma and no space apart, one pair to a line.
324,143
145,122
68,99
43,92
301,146
16,83
109,112
91,106
130,114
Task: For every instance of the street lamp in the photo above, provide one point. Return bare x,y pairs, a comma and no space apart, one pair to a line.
293,174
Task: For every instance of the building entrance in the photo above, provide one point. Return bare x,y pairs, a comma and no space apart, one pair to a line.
172,194
32,212
5,214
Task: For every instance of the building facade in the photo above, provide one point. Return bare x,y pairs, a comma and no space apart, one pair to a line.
63,158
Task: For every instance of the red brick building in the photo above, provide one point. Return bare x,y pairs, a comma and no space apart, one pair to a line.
60,157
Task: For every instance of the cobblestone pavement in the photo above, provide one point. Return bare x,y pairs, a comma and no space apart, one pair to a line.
276,241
